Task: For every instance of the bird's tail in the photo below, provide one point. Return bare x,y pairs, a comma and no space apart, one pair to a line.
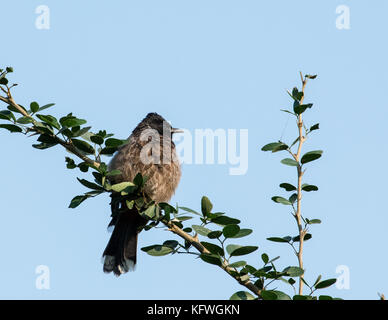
120,253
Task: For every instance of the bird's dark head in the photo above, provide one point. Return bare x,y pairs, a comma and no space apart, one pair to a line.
158,123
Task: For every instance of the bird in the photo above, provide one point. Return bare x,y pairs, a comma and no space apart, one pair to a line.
151,152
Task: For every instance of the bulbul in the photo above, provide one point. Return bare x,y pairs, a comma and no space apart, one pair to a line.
151,152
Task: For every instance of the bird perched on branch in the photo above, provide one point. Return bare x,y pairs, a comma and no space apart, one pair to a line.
150,151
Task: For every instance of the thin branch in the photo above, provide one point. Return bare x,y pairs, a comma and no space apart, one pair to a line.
67,145
197,245
298,215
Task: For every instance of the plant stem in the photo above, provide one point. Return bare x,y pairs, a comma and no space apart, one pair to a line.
298,214
197,245
67,145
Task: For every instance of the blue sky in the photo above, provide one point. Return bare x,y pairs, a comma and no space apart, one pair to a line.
201,64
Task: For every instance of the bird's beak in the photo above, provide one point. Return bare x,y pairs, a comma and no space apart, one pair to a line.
176,130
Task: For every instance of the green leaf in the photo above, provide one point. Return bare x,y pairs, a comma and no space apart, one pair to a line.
311,156
7,115
322,297
268,295
167,208
24,120
211,258
150,211
265,258
308,187
139,180
238,264
83,166
282,147
325,283
274,259
313,221
46,106
206,206
314,127
294,271
293,198
318,279
34,106
309,76
271,146
288,112
213,248
81,132
171,243
287,187
242,233
123,186
43,146
230,230
296,94
190,210
224,220
71,121
277,239
242,295
89,184
108,151
281,200
237,250
158,250
184,218
214,234
201,230
76,201
97,139
290,162
3,81
299,109
115,143
281,295
9,69
11,127
307,236
45,138
83,146
70,164
50,120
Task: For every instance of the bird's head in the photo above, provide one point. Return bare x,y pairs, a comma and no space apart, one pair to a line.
158,123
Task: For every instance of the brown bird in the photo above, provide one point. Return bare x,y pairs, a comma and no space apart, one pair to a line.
150,151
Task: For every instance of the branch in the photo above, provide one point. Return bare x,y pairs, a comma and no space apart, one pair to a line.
197,245
67,145
298,214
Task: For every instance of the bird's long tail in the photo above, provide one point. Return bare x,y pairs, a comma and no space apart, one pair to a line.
120,253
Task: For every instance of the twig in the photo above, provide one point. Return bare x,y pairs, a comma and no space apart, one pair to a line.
298,214
67,145
197,245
